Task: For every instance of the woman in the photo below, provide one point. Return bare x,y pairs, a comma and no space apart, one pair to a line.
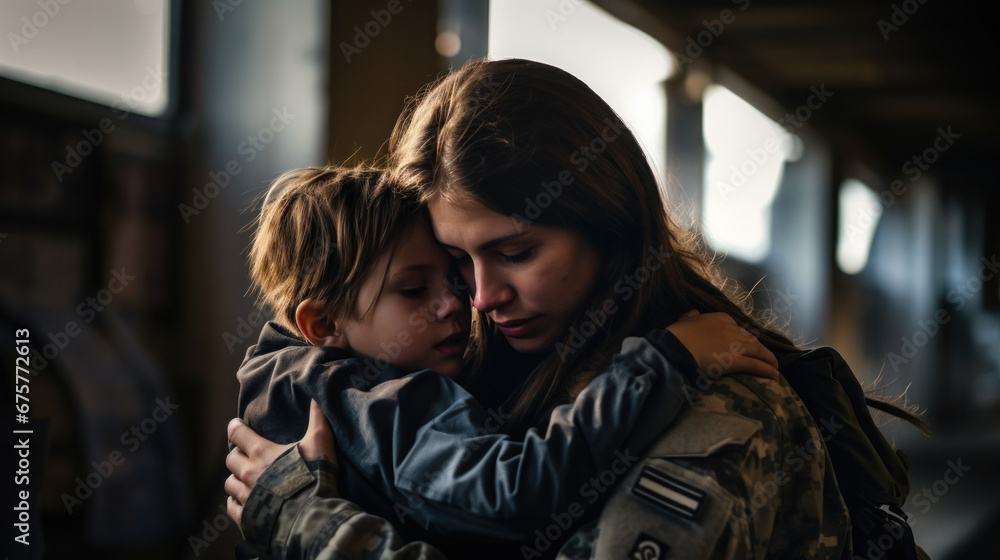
556,222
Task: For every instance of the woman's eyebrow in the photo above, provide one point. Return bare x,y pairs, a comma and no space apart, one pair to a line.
491,243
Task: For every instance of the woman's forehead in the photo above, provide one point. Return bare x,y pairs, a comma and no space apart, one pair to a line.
467,223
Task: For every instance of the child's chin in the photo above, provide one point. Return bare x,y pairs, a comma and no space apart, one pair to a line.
450,370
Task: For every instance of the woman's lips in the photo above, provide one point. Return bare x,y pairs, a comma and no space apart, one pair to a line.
518,328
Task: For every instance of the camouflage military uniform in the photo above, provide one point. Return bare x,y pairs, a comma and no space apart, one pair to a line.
295,511
744,473
759,469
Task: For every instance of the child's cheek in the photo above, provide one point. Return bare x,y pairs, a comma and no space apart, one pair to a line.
414,344
418,322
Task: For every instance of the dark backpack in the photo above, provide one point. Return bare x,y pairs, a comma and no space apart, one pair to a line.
872,476
881,532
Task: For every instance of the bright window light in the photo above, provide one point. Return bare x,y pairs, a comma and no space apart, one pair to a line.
623,65
112,52
744,160
859,210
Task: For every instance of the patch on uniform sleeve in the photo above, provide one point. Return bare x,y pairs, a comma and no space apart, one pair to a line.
669,493
648,548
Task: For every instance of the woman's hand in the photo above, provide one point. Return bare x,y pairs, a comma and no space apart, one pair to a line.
253,453
718,344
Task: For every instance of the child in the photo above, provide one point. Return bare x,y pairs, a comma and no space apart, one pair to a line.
367,310
351,266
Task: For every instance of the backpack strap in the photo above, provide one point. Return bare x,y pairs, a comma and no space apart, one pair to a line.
865,462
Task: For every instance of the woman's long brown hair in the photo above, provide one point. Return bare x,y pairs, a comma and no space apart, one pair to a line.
533,142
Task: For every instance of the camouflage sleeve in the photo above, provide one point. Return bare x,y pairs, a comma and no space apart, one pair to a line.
294,511
742,473
663,510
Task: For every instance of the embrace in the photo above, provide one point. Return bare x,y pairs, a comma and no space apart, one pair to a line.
499,344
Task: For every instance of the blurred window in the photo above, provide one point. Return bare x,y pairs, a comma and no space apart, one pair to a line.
745,153
113,52
859,210
625,66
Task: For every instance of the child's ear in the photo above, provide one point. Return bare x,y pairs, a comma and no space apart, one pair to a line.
317,325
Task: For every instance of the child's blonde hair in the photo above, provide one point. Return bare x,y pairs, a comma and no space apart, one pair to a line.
319,233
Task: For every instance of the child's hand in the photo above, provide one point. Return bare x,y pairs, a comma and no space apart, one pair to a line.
254,453
718,344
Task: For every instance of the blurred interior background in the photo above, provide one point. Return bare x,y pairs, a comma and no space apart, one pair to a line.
840,154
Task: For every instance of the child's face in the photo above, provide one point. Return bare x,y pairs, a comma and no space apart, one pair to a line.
418,322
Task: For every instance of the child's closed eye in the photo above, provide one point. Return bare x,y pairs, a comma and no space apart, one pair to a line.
414,293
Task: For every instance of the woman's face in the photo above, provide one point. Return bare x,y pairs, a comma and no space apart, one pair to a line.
530,279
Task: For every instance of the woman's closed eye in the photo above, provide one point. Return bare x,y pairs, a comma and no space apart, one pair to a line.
517,257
